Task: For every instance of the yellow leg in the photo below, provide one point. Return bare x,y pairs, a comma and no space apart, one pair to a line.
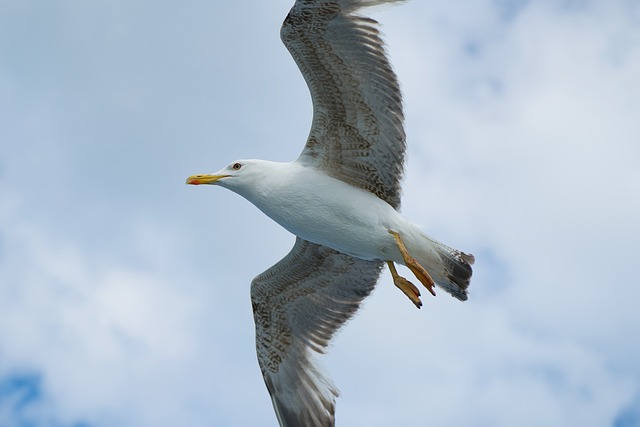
405,286
421,274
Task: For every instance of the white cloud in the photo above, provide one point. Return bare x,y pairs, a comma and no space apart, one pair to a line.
111,343
527,152
126,293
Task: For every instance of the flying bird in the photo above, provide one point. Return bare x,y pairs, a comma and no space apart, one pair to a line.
340,197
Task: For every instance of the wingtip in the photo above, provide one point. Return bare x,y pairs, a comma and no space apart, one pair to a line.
469,258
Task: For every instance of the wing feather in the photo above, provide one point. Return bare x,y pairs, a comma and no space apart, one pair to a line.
298,304
357,134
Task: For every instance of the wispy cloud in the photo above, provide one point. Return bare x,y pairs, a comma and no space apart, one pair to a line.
124,295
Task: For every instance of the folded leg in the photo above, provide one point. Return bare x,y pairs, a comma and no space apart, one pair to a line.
405,286
419,271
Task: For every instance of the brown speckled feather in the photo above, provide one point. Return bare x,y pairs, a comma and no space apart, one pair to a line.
298,304
357,133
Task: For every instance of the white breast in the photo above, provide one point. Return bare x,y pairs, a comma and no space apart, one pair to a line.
327,211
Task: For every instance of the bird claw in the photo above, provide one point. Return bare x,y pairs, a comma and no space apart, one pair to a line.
409,289
422,275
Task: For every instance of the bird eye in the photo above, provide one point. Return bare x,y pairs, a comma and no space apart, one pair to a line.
236,166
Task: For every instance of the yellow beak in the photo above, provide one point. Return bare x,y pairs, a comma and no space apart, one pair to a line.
204,179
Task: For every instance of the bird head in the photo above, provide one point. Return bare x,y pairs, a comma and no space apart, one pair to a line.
231,172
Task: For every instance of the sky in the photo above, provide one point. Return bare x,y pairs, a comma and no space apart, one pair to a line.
124,293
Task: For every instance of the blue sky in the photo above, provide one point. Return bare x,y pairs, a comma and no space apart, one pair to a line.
124,294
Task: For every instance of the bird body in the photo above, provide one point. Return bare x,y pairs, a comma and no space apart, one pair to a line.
327,211
335,214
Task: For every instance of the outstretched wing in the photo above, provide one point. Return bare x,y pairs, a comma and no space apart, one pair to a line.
298,304
357,133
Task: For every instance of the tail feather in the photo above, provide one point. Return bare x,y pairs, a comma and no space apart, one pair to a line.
449,268
458,271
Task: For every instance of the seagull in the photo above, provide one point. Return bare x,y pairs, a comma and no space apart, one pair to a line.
341,200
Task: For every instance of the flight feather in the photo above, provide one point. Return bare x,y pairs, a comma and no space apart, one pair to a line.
298,304
357,133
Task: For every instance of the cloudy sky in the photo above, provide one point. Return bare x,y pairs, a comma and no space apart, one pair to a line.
124,294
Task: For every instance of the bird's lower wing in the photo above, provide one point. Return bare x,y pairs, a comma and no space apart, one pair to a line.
298,304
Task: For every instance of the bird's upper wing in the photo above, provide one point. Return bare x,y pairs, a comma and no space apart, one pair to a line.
357,133
298,304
